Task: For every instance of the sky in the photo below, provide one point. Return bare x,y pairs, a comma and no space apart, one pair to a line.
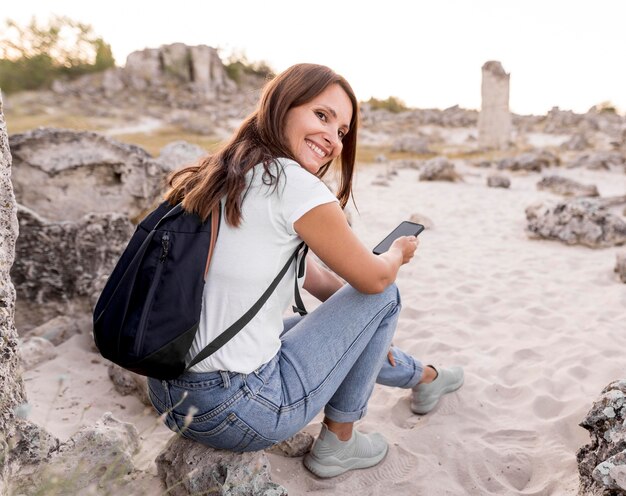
565,53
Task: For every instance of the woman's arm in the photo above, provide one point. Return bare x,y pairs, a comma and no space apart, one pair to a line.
319,281
326,231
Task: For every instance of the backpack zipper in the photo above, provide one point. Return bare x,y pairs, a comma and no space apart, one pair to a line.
165,247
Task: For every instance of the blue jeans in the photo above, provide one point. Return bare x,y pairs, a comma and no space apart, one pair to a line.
329,359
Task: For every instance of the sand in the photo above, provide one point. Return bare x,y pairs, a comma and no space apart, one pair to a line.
537,325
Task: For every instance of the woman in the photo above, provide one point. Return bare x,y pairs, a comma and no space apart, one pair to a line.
273,377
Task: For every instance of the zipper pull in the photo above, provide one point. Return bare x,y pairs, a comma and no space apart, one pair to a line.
165,243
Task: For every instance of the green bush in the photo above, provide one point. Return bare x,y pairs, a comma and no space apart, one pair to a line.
33,56
238,64
392,104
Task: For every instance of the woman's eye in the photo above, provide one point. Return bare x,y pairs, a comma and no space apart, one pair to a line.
321,115
341,134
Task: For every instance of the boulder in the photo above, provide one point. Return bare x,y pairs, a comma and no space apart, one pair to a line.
577,142
602,160
529,162
566,187
498,181
577,221
59,329
12,393
127,383
95,458
64,175
602,462
187,467
36,350
411,144
620,266
179,153
61,267
295,446
438,169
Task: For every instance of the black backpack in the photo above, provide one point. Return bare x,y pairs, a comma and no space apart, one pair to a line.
148,313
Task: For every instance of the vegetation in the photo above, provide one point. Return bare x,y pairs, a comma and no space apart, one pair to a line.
237,65
33,56
392,104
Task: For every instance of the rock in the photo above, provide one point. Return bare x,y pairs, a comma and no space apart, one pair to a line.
422,219
576,143
36,350
57,330
12,393
529,162
601,160
602,462
98,456
577,221
179,153
295,446
498,181
620,266
61,267
32,445
438,169
411,144
127,383
187,467
64,175
567,187
494,121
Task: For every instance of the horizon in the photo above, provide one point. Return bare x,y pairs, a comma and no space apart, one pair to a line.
559,54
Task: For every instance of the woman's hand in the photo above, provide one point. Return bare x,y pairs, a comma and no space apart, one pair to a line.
406,245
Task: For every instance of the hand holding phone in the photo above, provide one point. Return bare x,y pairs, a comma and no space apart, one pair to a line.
405,228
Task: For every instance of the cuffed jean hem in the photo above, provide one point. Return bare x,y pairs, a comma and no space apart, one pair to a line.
418,369
339,416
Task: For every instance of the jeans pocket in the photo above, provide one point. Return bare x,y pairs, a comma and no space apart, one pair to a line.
231,434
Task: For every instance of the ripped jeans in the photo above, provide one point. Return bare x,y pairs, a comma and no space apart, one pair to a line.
329,359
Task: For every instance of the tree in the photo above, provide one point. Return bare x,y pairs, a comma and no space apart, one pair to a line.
33,56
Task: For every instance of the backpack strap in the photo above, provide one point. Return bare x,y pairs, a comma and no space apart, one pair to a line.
299,304
232,331
216,216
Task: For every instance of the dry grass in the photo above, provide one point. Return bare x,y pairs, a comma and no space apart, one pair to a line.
154,141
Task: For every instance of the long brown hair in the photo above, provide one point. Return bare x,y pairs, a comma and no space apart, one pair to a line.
259,140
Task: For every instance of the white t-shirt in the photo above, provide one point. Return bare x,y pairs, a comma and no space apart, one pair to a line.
245,262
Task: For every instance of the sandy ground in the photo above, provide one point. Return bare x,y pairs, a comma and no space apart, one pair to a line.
537,325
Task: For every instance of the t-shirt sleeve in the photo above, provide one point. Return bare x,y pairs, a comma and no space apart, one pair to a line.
300,192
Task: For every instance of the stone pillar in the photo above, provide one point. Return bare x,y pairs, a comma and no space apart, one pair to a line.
494,122
12,391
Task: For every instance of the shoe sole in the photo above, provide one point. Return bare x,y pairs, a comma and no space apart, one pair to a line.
423,409
328,469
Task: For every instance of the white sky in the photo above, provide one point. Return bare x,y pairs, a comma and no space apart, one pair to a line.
566,53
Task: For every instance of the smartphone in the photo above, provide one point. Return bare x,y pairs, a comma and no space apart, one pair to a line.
405,228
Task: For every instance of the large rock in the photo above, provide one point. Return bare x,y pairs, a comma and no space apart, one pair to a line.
179,153
61,267
529,162
411,144
439,169
187,467
127,383
63,174
601,160
494,121
578,221
94,459
567,187
12,392
602,462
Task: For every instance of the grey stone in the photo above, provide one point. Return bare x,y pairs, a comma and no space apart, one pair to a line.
577,221
529,162
179,153
411,144
620,266
64,175
36,350
498,181
494,121
567,187
57,330
602,462
438,169
95,458
128,383
297,445
577,142
12,393
187,467
601,160
61,267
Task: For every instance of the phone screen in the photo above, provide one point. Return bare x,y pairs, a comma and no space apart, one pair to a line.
406,228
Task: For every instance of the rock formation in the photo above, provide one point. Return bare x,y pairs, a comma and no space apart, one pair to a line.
187,467
11,386
578,221
62,266
602,463
494,121
620,266
439,169
529,161
566,187
63,175
498,181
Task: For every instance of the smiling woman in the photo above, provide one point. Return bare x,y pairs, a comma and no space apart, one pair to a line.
275,375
